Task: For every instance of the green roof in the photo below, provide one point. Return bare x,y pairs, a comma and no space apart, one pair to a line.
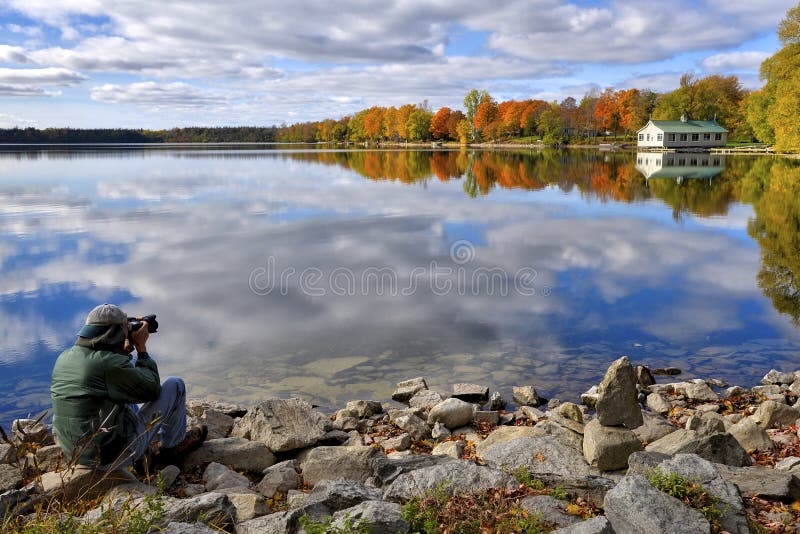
688,126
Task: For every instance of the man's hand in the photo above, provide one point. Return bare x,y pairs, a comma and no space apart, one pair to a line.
139,338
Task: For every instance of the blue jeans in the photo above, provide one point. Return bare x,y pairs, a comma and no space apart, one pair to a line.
169,411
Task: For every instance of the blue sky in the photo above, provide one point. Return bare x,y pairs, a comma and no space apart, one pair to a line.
157,64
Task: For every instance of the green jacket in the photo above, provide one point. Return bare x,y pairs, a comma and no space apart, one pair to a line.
93,387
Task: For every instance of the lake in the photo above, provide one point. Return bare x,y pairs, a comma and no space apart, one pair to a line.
333,274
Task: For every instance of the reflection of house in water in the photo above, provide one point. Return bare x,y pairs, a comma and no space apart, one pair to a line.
679,165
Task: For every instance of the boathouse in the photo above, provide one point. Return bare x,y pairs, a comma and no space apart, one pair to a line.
680,134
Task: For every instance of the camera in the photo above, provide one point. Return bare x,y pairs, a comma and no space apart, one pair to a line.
135,324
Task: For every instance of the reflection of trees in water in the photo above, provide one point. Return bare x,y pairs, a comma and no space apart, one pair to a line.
775,189
771,185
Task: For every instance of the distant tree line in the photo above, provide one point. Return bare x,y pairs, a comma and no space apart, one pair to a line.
226,134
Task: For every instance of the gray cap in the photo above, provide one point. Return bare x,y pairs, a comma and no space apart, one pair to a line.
100,318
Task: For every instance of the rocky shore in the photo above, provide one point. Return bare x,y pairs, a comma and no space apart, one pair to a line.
636,455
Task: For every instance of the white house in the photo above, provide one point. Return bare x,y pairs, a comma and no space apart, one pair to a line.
679,165
684,133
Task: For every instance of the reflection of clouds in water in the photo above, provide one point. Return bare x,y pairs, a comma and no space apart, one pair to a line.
190,263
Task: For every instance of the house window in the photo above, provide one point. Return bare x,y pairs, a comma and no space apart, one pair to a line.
648,137
641,137
671,137
683,137
695,137
718,137
706,137
660,137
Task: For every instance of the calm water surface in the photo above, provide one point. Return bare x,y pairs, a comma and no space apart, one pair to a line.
334,274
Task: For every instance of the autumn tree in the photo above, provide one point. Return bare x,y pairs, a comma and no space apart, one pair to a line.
485,115
607,111
779,100
440,123
452,124
464,130
401,120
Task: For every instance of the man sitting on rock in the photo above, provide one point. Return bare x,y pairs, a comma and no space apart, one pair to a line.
96,388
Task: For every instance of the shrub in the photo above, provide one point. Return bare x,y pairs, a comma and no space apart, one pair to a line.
691,492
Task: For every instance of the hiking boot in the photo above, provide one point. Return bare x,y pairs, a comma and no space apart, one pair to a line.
194,438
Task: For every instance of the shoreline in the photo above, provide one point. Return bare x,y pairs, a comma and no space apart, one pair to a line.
594,465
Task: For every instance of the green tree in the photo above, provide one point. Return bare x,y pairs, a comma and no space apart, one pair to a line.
779,100
471,102
418,126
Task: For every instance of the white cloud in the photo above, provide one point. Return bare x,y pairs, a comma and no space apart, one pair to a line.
13,54
734,61
47,76
175,95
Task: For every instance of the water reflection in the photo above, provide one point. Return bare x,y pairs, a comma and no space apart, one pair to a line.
694,274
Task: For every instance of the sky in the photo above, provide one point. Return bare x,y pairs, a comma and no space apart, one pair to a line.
164,63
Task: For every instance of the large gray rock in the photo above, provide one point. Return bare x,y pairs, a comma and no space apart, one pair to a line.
691,466
541,454
197,407
768,483
505,433
617,397
567,436
31,431
247,503
452,413
776,377
219,424
526,396
642,462
408,388
750,435
595,525
471,392
453,449
550,510
277,523
696,390
377,517
279,478
636,507
425,399
211,508
10,478
237,453
416,427
721,448
364,408
607,448
771,413
83,482
654,427
340,494
176,527
589,487
50,458
282,424
388,469
8,454
217,476
454,477
328,463
657,403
